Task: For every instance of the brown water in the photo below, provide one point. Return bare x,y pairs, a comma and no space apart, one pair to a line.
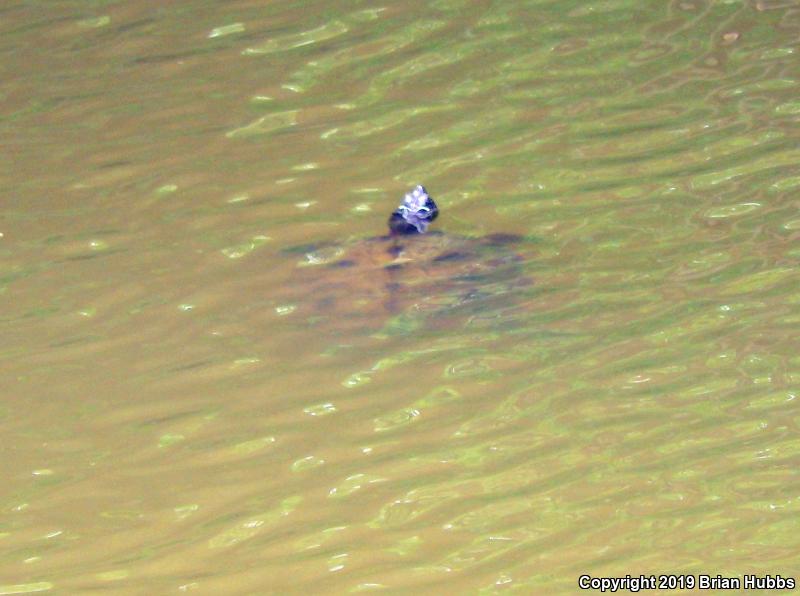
174,419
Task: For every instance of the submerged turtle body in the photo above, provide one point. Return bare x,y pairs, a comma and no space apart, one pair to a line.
408,273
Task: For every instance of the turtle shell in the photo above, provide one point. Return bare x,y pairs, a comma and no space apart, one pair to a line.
398,283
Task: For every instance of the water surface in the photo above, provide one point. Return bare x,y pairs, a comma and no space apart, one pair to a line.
174,419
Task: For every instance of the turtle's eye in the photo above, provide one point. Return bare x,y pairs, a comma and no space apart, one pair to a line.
430,211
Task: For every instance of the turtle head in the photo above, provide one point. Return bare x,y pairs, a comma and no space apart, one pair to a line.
414,214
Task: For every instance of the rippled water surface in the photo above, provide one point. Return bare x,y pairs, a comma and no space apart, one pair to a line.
194,396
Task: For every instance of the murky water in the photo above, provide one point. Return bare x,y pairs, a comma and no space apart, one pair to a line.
175,417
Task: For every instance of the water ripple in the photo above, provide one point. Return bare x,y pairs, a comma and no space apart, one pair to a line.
616,394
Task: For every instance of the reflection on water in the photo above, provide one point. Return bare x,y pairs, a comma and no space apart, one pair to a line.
174,419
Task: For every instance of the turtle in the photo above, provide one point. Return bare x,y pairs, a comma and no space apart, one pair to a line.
409,276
